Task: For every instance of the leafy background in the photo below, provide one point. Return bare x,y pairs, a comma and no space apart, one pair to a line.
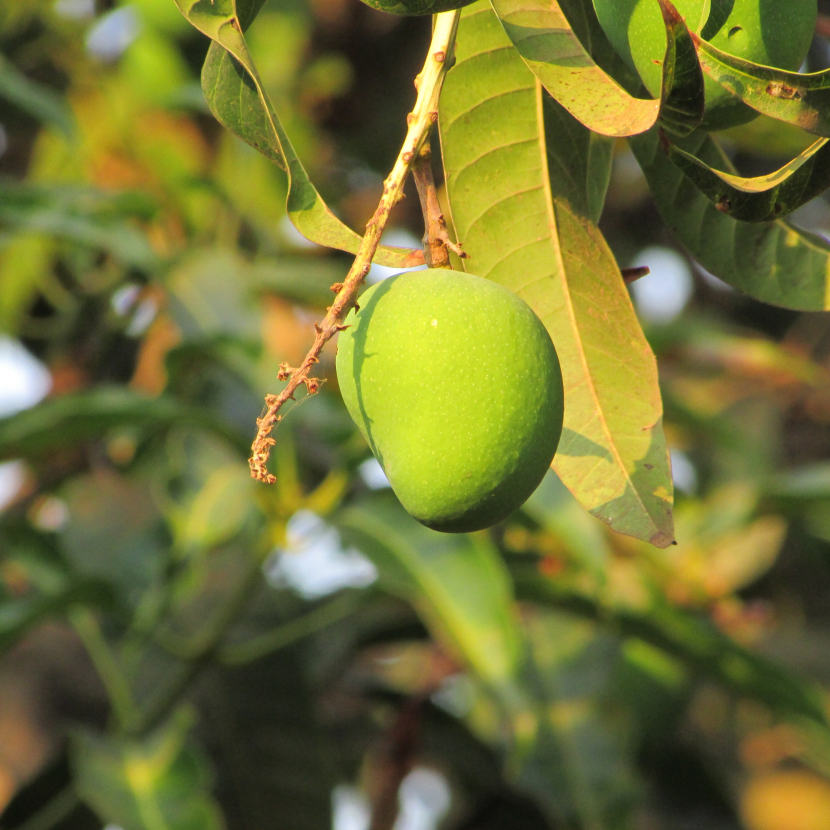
184,648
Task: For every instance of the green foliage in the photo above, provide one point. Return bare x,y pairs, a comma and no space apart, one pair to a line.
184,647
418,8
761,31
494,117
463,447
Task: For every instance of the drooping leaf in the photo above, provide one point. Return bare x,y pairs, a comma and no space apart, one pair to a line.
549,45
694,640
159,783
37,100
775,262
69,420
532,231
457,582
800,99
762,198
237,98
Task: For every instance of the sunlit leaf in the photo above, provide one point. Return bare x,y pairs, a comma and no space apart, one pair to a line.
217,511
800,99
238,100
762,198
774,262
533,232
548,44
158,783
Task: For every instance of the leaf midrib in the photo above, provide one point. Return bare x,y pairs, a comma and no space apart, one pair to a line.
557,250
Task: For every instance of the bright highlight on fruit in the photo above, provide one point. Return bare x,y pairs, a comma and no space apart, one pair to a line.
770,32
455,383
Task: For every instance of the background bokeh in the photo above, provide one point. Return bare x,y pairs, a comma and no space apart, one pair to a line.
181,647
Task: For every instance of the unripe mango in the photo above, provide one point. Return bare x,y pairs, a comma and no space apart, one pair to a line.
770,32
455,384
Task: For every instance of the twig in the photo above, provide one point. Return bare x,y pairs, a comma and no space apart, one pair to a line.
53,812
166,698
630,275
290,632
437,242
420,120
118,690
394,761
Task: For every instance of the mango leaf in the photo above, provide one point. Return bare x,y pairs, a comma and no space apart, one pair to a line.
694,640
82,215
800,99
809,482
532,231
580,768
762,198
72,419
35,99
17,616
158,783
238,100
550,47
458,583
775,262
272,757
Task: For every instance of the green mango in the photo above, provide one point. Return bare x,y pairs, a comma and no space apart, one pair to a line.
455,384
417,8
770,32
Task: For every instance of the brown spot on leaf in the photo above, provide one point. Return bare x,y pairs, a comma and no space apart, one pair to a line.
778,89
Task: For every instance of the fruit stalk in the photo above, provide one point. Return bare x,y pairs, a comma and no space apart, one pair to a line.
421,121
437,242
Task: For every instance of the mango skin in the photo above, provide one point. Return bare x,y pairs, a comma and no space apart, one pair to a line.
416,8
455,384
770,32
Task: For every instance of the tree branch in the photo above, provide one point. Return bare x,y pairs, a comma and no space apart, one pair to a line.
420,120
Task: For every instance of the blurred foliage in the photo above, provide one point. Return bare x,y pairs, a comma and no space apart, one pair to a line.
182,647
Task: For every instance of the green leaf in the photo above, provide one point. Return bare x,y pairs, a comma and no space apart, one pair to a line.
774,262
157,783
237,98
38,101
762,198
809,482
72,419
520,177
18,616
800,99
580,768
550,47
694,640
276,764
82,215
458,582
